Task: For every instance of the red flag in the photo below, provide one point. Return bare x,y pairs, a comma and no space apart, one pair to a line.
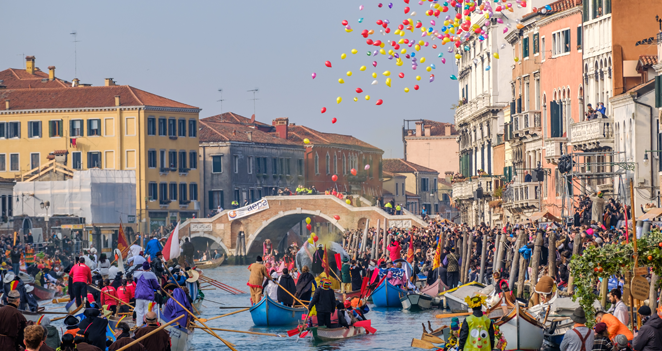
410,251
122,243
338,261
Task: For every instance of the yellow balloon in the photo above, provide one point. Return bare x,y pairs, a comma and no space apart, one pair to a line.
399,63
310,240
452,30
516,59
390,52
381,45
349,73
387,73
388,82
349,30
417,47
402,33
338,100
356,99
374,75
487,16
458,56
307,218
496,55
401,41
354,51
397,32
406,90
437,6
362,68
418,77
348,201
422,59
367,97
446,23
403,51
428,68
306,141
341,81
342,56
382,51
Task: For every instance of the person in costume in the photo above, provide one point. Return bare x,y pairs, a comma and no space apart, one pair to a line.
451,343
324,300
477,331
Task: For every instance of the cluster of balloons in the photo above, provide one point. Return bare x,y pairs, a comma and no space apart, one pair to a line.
313,238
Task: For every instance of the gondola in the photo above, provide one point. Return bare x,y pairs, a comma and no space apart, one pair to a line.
209,264
330,334
270,313
349,294
416,302
387,295
521,330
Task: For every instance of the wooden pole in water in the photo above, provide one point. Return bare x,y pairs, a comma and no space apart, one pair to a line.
483,253
467,260
375,242
652,295
523,267
515,260
535,259
386,237
576,245
500,251
551,256
364,241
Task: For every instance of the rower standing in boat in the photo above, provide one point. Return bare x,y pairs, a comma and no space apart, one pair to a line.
94,328
477,332
159,341
305,284
12,323
146,284
324,300
255,280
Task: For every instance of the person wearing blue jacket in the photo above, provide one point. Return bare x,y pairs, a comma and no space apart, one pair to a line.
153,247
176,273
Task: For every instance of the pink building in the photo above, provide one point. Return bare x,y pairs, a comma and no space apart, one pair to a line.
432,144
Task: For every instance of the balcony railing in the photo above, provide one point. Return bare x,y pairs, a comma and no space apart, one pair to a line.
597,34
464,112
554,148
465,190
527,123
593,134
522,195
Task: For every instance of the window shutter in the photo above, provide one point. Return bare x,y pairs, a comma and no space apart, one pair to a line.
89,161
658,92
607,7
50,129
554,111
519,104
585,10
512,107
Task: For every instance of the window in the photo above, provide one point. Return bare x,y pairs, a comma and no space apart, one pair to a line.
182,160
561,42
236,195
525,47
193,191
434,185
153,191
93,127
94,159
172,128
3,130
396,189
182,193
335,163
151,158
162,159
76,128
249,164
172,159
281,165
328,164
76,160
217,164
181,125
55,128
192,128
425,185
579,37
215,199
527,96
287,166
300,167
543,49
163,192
317,164
537,96
151,126
536,43
34,129
235,163
13,130
274,166
163,127
34,160
193,160
13,163
173,191
3,162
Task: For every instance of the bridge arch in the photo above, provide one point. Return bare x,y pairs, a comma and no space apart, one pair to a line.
282,222
211,237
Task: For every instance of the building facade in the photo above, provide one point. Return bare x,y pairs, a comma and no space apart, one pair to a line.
421,182
427,140
394,188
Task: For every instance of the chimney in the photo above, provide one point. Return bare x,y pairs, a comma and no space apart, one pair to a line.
51,72
448,175
419,128
75,82
253,118
110,82
249,134
117,100
29,64
7,104
428,130
447,130
281,124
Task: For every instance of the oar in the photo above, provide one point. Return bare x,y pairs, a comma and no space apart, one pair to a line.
42,312
62,299
416,343
212,283
236,291
450,315
179,286
225,315
244,332
431,338
201,322
207,300
150,333
231,308
116,299
301,302
367,325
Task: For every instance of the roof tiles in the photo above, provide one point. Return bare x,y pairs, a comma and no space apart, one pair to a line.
398,165
226,132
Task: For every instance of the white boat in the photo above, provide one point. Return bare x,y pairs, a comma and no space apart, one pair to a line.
521,330
415,302
454,298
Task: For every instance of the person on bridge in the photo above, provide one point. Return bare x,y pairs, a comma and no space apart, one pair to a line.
258,275
389,208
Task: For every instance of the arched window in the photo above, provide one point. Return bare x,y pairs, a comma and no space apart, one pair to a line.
335,163
317,163
344,164
328,163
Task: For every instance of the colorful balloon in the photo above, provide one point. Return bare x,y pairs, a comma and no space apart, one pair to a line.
374,82
349,73
323,109
416,87
353,171
334,120
388,82
334,178
348,201
363,68
314,75
315,238
327,64
379,102
496,55
359,90
342,56
367,97
387,73
367,167
306,141
338,100
336,217
309,227
307,220
453,77
311,241
401,75
341,81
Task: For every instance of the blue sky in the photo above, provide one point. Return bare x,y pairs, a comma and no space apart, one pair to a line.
187,50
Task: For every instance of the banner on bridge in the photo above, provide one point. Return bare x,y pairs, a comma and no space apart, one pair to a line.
245,211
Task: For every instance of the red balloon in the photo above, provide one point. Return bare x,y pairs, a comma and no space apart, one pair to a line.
405,22
334,192
387,30
416,87
384,24
401,75
406,41
344,22
406,1
353,171
377,43
379,102
401,27
406,9
379,22
434,46
397,46
309,227
323,109
315,238
336,217
535,9
364,33
327,63
334,177
419,24
369,42
359,90
437,13
340,196
334,120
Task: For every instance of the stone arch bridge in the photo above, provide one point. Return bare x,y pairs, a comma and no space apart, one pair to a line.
285,212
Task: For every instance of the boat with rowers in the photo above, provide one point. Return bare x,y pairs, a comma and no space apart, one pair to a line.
210,264
322,334
387,295
270,313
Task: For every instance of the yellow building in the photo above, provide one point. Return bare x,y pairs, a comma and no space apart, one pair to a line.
108,127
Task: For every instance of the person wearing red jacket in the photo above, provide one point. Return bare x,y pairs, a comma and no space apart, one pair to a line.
107,294
81,276
131,285
125,294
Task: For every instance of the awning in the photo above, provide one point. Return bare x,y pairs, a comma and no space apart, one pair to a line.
537,216
651,214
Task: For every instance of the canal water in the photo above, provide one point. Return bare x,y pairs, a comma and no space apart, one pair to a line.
395,327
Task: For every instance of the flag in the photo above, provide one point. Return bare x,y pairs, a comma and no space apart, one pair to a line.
338,261
122,243
171,248
436,262
410,251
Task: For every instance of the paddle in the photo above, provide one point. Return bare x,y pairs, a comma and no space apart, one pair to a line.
431,338
364,285
422,344
111,296
244,332
450,315
367,325
301,302
224,315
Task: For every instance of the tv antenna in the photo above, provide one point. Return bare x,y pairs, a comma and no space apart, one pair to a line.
254,91
75,34
221,99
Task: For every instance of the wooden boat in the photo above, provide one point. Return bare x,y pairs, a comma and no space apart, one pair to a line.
349,295
209,264
434,290
455,297
521,330
387,295
42,293
416,302
270,313
330,334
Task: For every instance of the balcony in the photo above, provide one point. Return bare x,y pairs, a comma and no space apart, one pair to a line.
520,197
164,171
597,34
464,113
593,135
554,148
527,124
184,171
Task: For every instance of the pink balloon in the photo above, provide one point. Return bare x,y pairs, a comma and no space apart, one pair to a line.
314,75
374,63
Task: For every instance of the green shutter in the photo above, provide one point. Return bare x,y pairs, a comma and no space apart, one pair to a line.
658,92
585,10
525,47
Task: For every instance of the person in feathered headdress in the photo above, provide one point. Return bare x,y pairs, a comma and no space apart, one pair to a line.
477,332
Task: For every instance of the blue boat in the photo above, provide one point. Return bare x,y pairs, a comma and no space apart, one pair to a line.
270,313
388,295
